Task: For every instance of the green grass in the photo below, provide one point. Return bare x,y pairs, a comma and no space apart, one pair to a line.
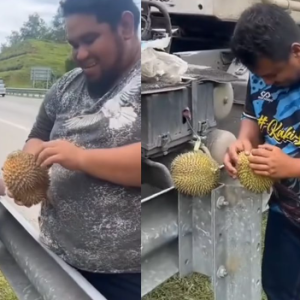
16,62
6,292
196,287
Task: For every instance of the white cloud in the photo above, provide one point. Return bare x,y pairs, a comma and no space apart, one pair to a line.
15,12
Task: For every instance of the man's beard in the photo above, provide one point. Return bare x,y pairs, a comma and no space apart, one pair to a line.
108,78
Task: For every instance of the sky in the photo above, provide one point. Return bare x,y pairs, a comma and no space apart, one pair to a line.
15,12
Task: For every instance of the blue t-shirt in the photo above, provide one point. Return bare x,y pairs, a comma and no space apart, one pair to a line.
277,113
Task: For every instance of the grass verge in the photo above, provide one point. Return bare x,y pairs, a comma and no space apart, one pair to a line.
16,62
6,293
196,287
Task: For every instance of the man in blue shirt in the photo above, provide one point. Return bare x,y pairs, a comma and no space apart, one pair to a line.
267,41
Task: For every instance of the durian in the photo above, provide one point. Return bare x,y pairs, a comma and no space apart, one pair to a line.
24,179
254,183
195,173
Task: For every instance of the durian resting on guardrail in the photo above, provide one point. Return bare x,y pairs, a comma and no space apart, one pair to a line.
196,173
25,180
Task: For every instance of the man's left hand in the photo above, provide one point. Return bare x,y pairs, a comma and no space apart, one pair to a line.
60,152
271,161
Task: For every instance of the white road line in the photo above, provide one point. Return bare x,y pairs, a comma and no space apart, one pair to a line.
15,125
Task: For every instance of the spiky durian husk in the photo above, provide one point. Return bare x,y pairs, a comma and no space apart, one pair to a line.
25,180
195,173
254,183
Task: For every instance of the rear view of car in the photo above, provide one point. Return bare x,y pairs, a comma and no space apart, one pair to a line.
2,88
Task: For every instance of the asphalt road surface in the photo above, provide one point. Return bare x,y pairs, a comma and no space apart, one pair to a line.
17,115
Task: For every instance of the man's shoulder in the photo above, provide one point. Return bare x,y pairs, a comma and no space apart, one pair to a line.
257,84
68,78
64,84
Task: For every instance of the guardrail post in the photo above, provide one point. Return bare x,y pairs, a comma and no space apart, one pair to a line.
218,236
185,235
202,235
237,221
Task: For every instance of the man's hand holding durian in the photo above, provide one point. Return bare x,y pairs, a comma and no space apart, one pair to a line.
231,157
121,165
237,164
271,161
62,152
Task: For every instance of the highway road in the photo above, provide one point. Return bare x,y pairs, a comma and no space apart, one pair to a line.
17,115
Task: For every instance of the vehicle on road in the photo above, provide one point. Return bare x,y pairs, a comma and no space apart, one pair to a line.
2,88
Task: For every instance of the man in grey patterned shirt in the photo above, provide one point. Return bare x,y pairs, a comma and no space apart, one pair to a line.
88,131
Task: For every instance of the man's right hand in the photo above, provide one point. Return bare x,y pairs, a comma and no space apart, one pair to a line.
231,157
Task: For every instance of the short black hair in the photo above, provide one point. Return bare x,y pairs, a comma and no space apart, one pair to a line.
264,30
106,11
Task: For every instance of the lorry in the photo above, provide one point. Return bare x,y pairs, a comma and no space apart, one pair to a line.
213,92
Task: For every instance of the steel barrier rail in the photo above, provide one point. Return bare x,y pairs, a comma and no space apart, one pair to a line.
21,285
24,92
218,236
32,270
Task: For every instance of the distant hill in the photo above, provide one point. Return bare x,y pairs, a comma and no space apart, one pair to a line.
16,61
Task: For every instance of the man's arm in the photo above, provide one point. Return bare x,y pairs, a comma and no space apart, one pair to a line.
42,128
249,129
118,165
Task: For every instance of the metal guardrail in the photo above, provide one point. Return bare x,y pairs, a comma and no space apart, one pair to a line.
33,271
218,236
26,92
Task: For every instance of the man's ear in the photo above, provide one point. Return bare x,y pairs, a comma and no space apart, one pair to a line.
296,50
127,25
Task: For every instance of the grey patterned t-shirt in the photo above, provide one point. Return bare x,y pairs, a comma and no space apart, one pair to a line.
91,224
